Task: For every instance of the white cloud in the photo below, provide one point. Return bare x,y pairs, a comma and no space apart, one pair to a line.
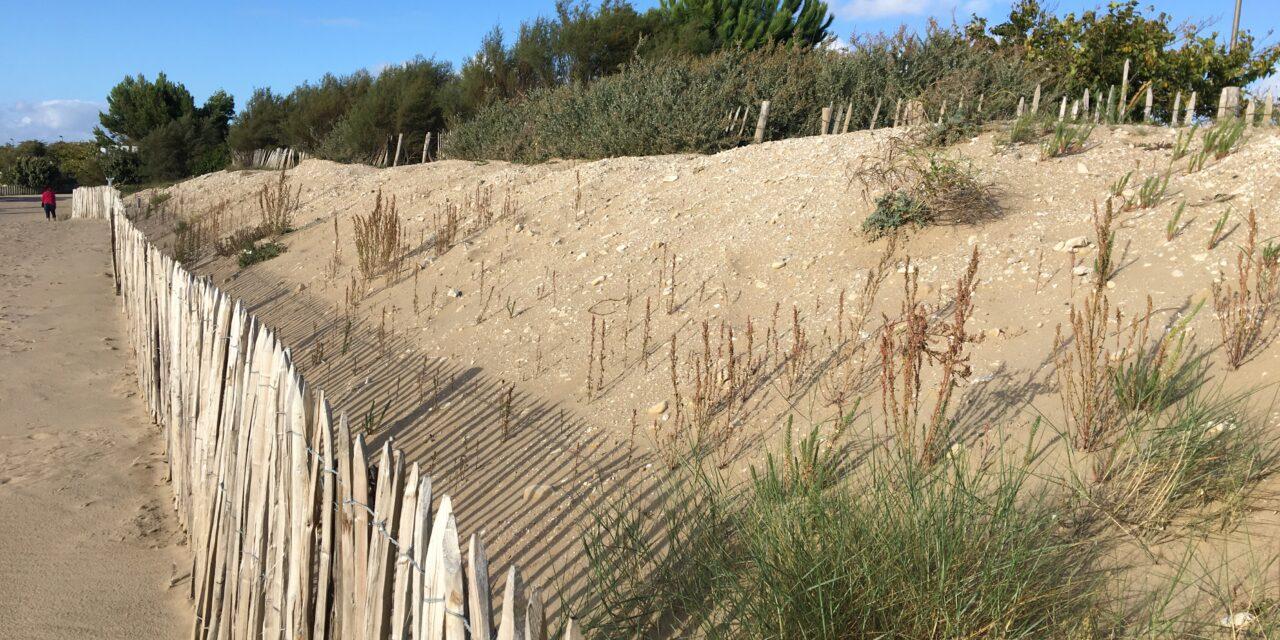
883,8
48,120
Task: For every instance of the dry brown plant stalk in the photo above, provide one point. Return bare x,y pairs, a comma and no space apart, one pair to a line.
1084,375
378,237
906,346
1243,308
277,204
446,229
1104,229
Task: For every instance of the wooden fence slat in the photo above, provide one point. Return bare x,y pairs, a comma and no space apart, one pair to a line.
572,631
325,503
421,541
386,504
436,581
479,603
514,607
356,589
535,619
402,584
344,536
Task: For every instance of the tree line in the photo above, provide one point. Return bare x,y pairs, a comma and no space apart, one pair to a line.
578,70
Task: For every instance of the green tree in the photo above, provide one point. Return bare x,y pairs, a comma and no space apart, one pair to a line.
79,163
261,124
592,44
1088,50
702,26
33,172
121,166
219,109
311,111
411,98
136,107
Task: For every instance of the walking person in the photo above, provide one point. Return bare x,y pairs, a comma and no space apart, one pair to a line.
49,200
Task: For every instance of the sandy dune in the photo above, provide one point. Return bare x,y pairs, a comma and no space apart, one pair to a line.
88,547
474,360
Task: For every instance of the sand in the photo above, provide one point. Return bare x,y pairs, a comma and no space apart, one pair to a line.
88,547
432,355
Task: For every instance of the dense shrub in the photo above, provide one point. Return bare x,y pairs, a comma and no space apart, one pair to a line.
122,166
184,147
61,165
680,104
33,172
411,99
260,124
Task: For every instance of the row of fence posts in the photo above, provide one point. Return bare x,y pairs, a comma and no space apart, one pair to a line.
295,531
387,158
836,118
276,159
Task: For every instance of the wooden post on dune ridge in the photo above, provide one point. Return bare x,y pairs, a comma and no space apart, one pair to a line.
761,122
1124,94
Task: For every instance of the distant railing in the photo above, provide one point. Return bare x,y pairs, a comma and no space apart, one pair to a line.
12,190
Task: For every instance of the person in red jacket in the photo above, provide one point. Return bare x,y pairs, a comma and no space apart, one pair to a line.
50,203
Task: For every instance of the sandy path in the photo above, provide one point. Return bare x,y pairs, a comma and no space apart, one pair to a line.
88,547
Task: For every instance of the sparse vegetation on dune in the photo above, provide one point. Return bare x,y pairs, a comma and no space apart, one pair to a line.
1006,484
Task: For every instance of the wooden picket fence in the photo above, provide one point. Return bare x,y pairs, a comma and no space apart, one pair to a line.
279,158
295,530
95,203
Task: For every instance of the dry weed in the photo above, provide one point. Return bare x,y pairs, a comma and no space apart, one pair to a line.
378,234
1084,376
906,345
1243,308
277,204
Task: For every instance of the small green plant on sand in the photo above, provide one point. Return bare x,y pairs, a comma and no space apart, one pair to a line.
259,253
1067,139
1183,143
1219,227
1174,226
894,210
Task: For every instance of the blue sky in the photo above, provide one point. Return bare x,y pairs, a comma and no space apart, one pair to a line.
63,57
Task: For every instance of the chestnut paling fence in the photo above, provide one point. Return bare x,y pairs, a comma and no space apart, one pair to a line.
95,202
295,530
